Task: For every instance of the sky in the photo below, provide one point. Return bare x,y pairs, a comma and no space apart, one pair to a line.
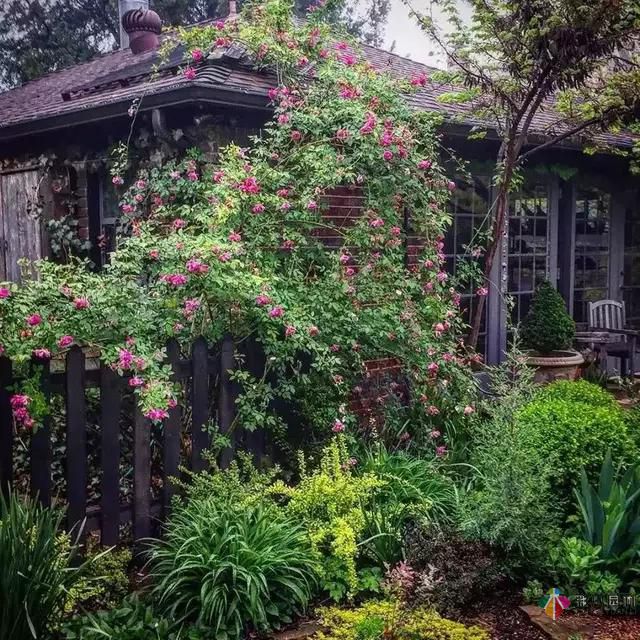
407,39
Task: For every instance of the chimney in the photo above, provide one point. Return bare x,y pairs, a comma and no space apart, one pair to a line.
142,27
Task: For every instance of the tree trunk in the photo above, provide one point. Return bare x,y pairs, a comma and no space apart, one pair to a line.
506,163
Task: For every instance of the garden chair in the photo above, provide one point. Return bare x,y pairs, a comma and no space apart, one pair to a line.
612,339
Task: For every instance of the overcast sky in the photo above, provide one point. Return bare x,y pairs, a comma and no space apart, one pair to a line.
408,39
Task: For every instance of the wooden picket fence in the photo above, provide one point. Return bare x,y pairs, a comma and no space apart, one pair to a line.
207,374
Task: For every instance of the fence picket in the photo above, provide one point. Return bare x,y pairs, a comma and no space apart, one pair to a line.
6,428
200,403
141,476
40,451
110,405
227,396
171,434
76,454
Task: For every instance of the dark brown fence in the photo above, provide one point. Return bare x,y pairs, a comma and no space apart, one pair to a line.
210,395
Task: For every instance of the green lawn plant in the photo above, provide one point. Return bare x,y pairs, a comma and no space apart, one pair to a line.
232,568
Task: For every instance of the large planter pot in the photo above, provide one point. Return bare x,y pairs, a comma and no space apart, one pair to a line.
557,365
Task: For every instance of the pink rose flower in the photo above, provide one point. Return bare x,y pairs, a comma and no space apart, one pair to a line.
234,236
432,410
425,165
482,291
156,415
65,341
434,434
258,208
81,303
197,55
179,223
388,155
338,426
342,135
189,73
276,312
249,185
313,331
136,381
4,293
117,180
468,410
197,266
441,451
312,205
262,300
42,354
433,368
34,319
296,136
289,331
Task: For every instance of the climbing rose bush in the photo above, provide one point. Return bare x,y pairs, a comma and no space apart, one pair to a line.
233,248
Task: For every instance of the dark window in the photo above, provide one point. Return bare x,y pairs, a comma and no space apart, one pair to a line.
631,273
591,280
469,208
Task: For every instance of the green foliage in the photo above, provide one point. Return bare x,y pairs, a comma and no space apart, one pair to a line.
330,502
548,327
105,581
532,592
577,567
610,515
232,568
574,426
388,620
132,620
509,502
37,569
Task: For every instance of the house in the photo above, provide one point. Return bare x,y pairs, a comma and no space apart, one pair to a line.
575,221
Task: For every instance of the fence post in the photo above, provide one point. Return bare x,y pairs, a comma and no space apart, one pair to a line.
141,476
227,400
6,428
76,454
40,451
110,405
171,435
200,403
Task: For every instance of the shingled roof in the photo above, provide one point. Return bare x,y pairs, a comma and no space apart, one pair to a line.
106,86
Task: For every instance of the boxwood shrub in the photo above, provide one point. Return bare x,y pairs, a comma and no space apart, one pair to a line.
574,424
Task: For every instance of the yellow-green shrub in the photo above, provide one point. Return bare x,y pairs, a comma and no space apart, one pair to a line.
375,620
330,502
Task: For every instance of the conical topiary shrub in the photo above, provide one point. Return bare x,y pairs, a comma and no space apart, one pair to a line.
547,327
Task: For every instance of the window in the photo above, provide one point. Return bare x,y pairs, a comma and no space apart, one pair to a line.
591,280
469,207
528,246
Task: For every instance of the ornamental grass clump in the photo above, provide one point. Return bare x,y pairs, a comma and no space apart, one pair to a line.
37,569
548,327
232,569
232,247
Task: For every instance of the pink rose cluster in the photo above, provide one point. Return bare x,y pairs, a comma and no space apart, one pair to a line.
20,410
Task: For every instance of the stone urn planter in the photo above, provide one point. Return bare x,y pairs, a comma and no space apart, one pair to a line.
557,365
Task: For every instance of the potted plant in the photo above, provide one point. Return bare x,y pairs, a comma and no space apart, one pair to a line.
548,332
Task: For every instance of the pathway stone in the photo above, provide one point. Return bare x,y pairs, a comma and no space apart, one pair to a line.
561,629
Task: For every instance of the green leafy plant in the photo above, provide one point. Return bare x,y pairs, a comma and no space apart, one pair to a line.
532,591
37,569
232,568
390,620
330,502
547,327
610,513
574,426
132,620
509,501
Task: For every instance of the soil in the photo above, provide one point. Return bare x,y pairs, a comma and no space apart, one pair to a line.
501,616
606,627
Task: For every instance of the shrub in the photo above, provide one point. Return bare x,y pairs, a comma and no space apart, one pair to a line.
450,571
509,503
388,620
37,569
547,327
331,504
233,568
610,517
132,620
574,427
